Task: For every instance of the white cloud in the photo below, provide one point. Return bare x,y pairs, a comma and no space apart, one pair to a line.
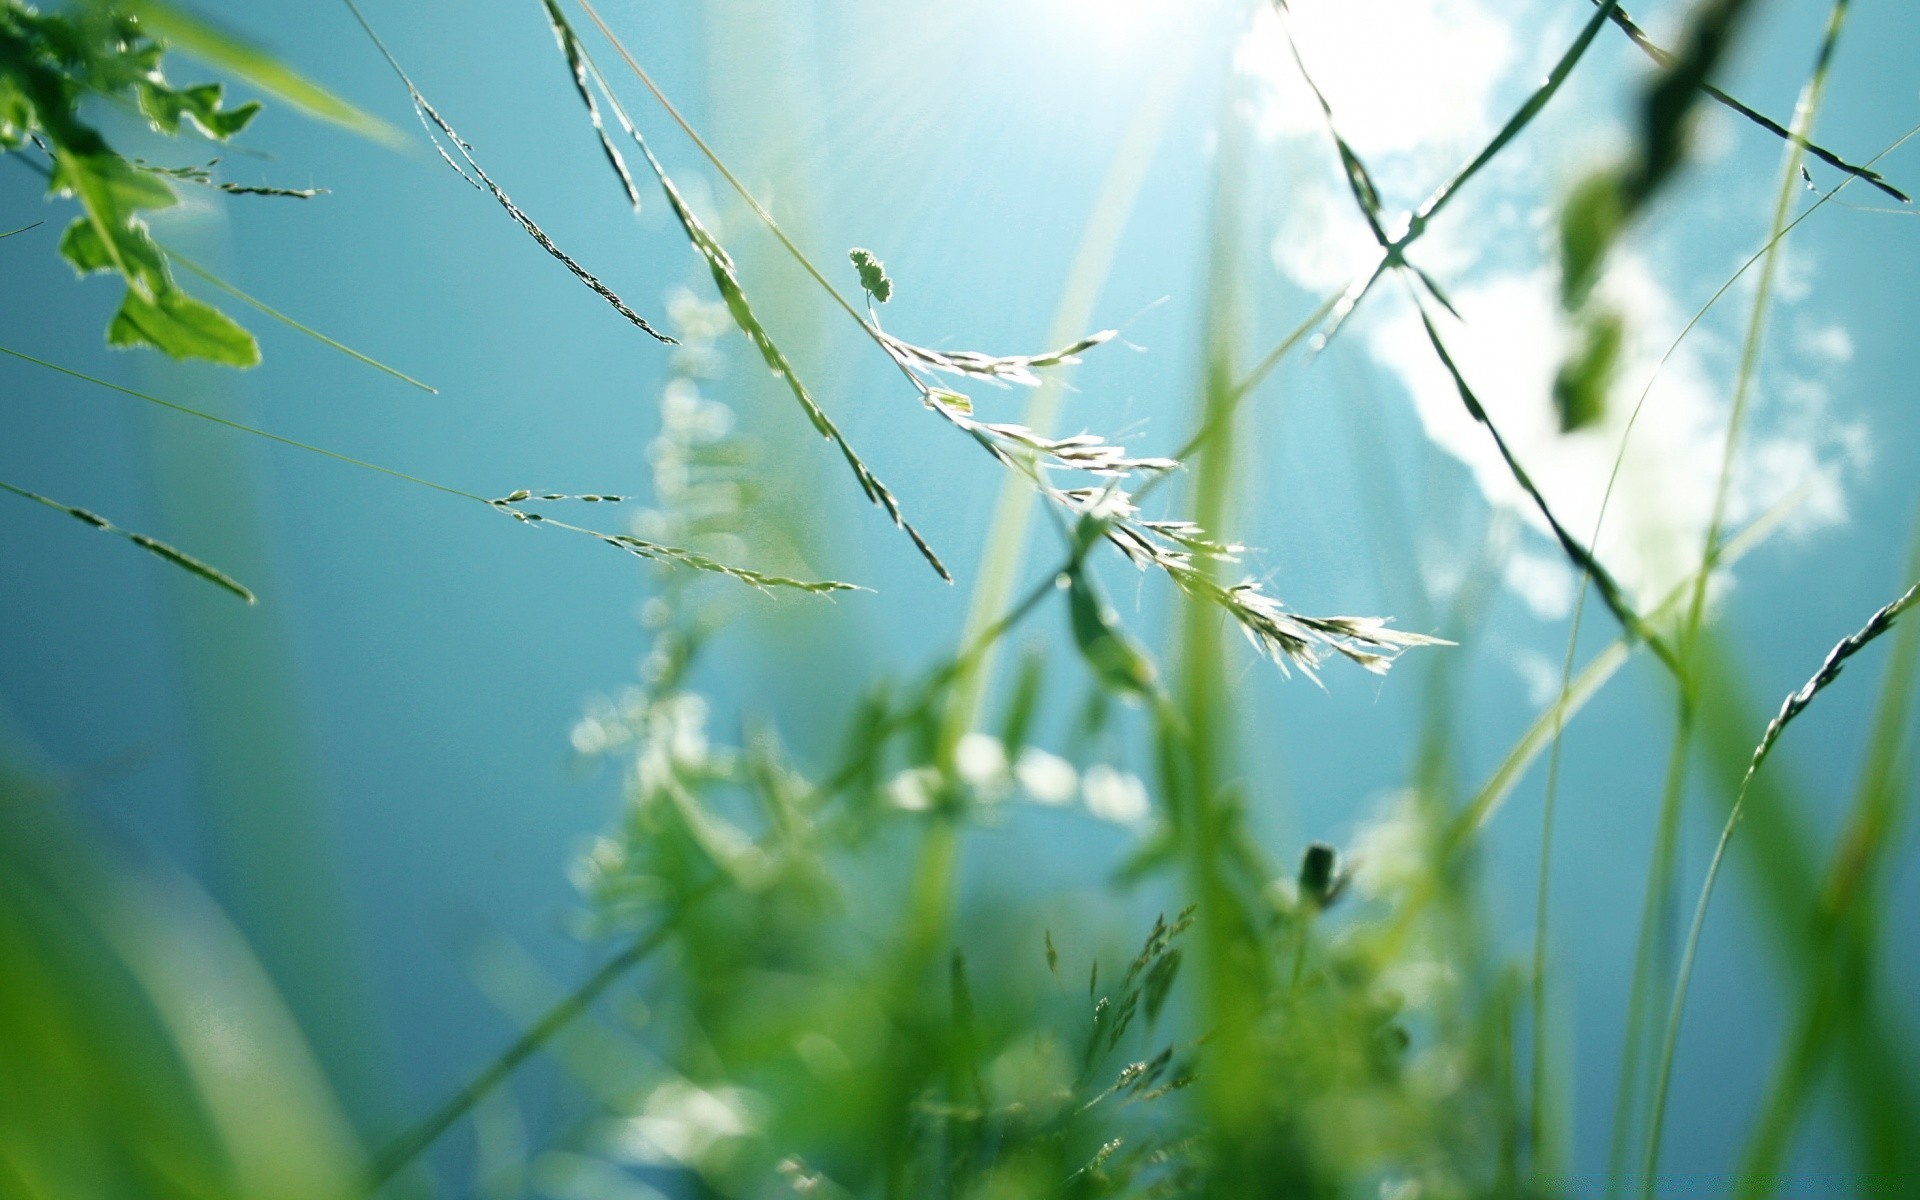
1416,87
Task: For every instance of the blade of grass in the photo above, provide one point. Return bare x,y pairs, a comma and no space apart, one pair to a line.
403,1149
1865,173
1521,118
289,322
159,549
1792,707
1611,593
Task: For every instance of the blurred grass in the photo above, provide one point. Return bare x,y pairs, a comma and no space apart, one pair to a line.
828,1004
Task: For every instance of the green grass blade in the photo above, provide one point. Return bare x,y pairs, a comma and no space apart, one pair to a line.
1792,707
159,549
217,47
261,305
1865,173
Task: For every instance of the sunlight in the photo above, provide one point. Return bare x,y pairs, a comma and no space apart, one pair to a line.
1119,26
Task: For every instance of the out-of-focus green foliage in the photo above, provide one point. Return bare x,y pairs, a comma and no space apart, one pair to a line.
143,1053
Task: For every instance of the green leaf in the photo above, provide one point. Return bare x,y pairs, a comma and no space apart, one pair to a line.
82,246
167,107
1119,664
1589,223
1580,388
235,55
182,327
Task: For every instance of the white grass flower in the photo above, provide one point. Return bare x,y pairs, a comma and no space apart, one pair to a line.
912,790
682,1123
1389,852
981,762
1114,795
1046,778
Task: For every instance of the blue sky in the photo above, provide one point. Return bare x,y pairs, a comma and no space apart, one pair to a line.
400,701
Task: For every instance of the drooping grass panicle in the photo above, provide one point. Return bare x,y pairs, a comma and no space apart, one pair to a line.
1010,444
577,67
726,279
1001,369
1167,545
641,547
203,175
1289,638
442,134
1170,545
653,551
153,546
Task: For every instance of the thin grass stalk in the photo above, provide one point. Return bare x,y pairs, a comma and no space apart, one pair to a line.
1803,119
508,505
1656,903
274,313
1662,881
1664,57
1542,1161
1606,498
1092,264
1792,707
404,1149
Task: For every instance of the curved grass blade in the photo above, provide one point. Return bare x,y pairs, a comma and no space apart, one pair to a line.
431,120
153,546
1664,58
1610,590
261,305
1791,707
